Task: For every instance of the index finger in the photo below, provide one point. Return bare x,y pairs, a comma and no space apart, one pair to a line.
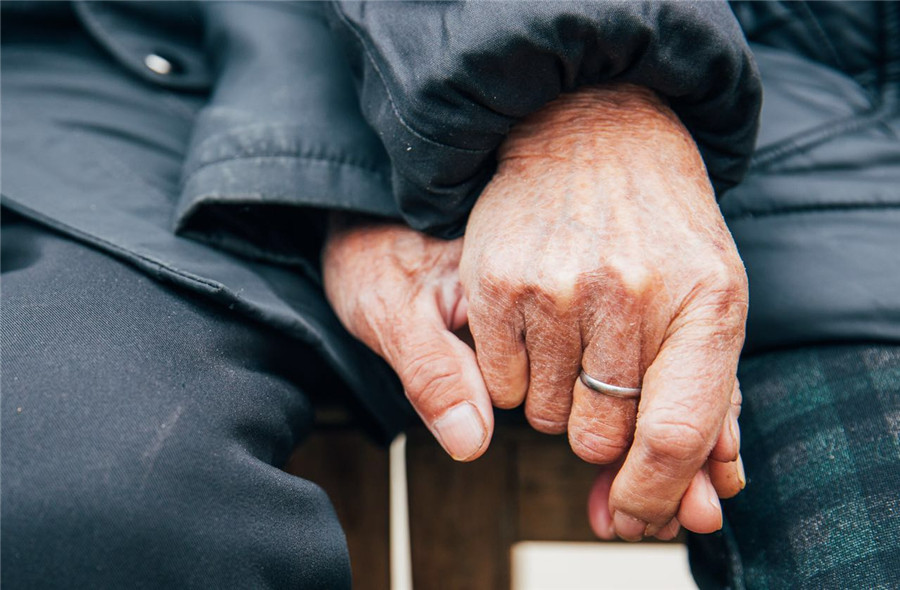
686,394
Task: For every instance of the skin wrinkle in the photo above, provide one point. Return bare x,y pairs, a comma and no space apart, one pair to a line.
555,361
430,371
499,304
594,447
667,464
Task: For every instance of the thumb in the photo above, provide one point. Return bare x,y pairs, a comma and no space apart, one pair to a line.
442,380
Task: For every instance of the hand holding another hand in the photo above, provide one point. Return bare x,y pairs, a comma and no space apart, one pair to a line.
598,245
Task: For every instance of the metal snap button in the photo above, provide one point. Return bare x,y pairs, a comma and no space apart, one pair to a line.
158,64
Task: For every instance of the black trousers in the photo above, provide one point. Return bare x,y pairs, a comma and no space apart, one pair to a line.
143,430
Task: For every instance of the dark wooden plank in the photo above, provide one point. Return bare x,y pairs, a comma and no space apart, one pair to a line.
552,488
354,473
462,516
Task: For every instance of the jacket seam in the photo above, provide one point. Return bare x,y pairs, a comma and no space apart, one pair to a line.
237,131
805,209
326,161
121,251
806,140
811,138
816,28
387,91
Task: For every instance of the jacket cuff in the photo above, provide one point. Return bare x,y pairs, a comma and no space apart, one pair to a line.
443,82
250,206
281,138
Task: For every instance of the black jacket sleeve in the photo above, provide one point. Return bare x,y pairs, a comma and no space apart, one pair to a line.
443,82
281,139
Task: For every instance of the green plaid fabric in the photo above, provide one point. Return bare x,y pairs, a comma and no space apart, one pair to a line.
821,447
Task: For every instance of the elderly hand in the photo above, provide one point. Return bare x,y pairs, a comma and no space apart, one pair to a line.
599,245
399,292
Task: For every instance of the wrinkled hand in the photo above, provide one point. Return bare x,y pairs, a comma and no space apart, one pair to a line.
399,292
599,244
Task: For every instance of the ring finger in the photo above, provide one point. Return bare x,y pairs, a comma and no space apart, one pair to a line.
604,402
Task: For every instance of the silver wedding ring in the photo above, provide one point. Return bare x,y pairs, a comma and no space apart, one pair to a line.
610,390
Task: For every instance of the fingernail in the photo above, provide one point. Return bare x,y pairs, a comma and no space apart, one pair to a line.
629,527
734,429
712,497
742,477
461,431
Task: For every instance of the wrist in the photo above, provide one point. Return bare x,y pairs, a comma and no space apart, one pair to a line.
594,122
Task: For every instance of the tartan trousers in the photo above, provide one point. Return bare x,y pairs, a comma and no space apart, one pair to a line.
821,447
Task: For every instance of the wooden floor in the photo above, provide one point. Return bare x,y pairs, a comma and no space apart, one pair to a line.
464,517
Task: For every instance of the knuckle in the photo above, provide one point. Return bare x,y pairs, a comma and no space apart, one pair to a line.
547,402
429,376
727,453
720,310
737,398
559,284
633,277
547,413
492,299
545,425
670,441
644,502
495,275
725,283
636,280
595,447
504,399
